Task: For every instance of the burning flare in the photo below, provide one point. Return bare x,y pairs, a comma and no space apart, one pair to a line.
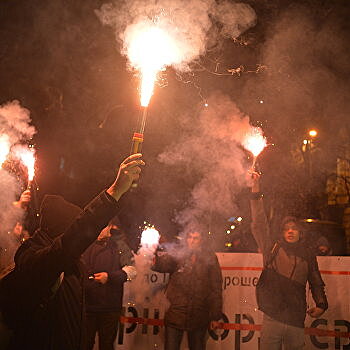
150,49
4,147
150,237
254,141
27,156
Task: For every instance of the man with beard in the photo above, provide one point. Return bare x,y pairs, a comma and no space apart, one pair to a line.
288,265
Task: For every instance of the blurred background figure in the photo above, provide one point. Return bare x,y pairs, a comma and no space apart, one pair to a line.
323,247
109,264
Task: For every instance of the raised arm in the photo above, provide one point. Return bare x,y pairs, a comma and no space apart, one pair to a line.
45,258
259,226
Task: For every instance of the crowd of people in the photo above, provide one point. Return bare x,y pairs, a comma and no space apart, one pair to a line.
73,269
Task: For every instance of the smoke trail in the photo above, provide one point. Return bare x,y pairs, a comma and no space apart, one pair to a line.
190,23
143,262
210,154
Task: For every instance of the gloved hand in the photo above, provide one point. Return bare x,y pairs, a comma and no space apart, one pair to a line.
130,271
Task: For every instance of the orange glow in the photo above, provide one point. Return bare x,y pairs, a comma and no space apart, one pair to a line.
27,156
4,148
254,141
150,50
313,133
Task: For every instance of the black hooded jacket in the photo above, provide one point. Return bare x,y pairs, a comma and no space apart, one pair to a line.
281,289
50,260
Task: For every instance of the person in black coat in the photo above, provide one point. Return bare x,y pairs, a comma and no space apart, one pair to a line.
49,268
109,264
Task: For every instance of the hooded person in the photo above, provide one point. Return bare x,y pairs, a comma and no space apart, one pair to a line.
108,264
323,247
118,236
48,270
281,290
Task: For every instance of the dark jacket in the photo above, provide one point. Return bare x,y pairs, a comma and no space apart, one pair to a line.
104,256
281,290
194,289
46,261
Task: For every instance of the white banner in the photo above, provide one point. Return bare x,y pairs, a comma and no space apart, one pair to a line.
142,324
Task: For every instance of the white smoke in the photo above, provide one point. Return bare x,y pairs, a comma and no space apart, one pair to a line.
9,189
9,216
15,122
189,23
210,153
143,262
14,127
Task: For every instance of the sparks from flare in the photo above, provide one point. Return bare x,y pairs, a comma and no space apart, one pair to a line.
254,142
150,50
4,148
150,237
27,156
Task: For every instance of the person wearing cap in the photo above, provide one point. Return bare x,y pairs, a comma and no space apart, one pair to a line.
50,268
109,264
281,290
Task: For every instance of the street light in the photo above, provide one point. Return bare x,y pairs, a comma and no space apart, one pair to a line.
313,133
307,148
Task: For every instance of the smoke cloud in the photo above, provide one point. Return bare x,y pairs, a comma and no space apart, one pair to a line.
308,67
14,127
9,188
143,262
9,216
304,87
15,122
210,153
193,25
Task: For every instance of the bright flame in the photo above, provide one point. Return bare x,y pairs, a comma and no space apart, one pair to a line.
4,147
150,237
313,133
27,156
254,141
150,49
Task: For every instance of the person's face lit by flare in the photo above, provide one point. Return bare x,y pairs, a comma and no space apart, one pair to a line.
291,232
194,241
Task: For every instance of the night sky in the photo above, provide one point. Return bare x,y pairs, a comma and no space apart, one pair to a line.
62,64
